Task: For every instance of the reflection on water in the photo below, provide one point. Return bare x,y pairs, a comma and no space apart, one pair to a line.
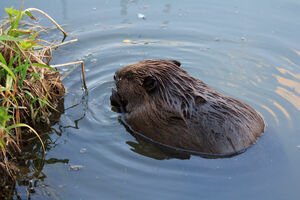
245,49
291,97
64,7
272,113
286,114
30,165
147,147
289,83
293,85
123,4
284,71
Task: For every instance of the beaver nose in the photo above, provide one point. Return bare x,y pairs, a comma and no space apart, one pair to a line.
115,99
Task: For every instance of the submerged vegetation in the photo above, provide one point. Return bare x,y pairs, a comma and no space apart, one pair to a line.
29,87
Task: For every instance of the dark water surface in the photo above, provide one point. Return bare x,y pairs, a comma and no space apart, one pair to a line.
246,49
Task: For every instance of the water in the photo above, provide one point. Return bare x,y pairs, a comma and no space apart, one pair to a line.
246,49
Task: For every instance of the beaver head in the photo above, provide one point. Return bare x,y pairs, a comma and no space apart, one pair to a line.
165,104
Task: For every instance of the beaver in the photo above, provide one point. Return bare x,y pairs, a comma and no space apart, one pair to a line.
164,103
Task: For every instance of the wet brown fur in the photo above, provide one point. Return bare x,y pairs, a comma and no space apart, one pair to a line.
167,105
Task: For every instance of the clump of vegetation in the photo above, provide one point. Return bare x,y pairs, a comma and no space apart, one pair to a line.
29,87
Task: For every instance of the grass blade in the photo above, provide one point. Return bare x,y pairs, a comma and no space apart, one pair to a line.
24,72
25,125
29,15
9,38
2,59
2,144
17,20
8,71
42,65
2,89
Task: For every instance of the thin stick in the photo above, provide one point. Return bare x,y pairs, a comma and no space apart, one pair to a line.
22,5
83,75
34,26
50,18
74,63
66,64
64,43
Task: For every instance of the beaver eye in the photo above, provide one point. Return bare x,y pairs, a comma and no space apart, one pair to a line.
128,76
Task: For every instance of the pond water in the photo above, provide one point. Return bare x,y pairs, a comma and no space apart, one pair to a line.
246,49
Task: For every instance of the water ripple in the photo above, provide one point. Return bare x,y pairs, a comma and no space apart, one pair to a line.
242,69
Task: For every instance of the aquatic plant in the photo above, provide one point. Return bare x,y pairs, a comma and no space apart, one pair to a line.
29,87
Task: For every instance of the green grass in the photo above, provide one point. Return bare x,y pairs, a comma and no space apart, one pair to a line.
29,87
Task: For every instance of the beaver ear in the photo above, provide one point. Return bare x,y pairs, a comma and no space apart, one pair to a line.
199,100
150,83
176,62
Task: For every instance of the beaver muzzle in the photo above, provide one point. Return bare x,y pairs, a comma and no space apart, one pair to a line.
116,101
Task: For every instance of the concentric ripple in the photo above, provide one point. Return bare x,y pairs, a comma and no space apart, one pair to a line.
247,50
249,74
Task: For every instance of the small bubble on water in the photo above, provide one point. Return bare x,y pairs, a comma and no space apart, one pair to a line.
163,26
243,39
141,16
83,150
94,60
75,167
